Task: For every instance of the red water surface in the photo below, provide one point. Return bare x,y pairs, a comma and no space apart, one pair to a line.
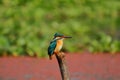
81,67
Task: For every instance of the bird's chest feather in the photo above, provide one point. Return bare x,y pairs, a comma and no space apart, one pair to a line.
59,45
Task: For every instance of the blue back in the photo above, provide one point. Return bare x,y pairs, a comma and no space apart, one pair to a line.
51,47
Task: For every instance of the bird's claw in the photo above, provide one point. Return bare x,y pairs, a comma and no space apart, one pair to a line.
61,54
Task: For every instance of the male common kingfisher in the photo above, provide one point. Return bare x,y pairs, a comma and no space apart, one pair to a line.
56,44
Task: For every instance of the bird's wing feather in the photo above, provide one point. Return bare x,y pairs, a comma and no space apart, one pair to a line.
51,47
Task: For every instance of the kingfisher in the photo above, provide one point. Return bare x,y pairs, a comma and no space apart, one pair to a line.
56,44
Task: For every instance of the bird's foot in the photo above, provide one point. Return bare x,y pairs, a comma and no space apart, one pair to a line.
61,54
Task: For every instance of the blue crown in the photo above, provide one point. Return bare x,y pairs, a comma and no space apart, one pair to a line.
58,35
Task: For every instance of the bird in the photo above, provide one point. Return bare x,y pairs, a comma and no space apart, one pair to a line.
56,44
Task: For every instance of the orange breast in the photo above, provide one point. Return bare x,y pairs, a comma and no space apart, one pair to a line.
58,46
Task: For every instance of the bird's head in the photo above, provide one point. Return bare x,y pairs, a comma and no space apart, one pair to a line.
57,36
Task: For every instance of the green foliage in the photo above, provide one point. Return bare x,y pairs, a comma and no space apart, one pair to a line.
27,26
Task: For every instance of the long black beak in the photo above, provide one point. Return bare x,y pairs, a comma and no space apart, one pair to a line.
66,37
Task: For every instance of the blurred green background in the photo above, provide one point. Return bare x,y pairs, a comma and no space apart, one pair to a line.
27,26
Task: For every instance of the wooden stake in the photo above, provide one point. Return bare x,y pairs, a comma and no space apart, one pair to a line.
62,65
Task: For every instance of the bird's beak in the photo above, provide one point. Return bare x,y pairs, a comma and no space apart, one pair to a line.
66,37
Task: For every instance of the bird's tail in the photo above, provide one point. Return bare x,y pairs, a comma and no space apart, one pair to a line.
50,57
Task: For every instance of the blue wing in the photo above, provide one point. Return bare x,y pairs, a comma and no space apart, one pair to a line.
51,47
